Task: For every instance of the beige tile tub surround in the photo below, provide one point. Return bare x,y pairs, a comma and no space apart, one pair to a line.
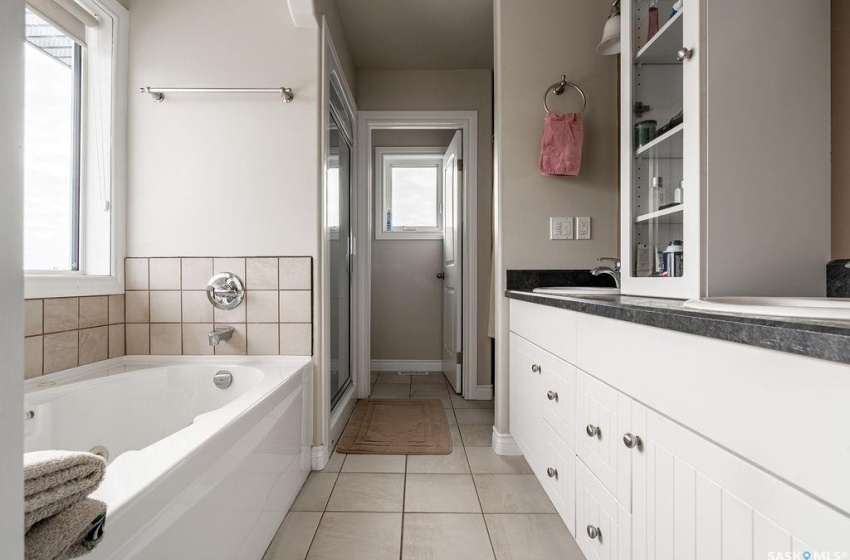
62,333
167,310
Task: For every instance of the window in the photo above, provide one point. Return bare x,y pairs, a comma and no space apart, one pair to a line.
410,191
74,105
52,81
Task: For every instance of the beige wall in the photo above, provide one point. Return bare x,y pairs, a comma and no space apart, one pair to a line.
528,65
429,90
840,129
406,295
328,8
222,175
536,42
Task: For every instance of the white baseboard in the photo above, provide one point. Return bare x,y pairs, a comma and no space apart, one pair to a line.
407,365
504,444
319,457
481,393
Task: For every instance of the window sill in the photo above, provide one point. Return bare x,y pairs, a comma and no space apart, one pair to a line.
408,235
38,286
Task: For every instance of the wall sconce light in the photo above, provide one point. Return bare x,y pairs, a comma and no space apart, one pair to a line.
610,43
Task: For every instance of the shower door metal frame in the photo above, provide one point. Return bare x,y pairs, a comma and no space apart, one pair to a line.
328,422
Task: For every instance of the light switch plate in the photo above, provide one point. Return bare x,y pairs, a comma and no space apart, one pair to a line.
561,228
583,228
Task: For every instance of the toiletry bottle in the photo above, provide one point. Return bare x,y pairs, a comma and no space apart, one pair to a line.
652,26
657,194
659,262
674,259
677,7
644,265
677,193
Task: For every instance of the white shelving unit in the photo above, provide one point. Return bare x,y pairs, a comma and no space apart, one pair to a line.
737,77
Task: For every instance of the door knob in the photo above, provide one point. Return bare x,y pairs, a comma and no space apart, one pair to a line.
552,396
594,532
631,441
441,275
535,368
593,431
552,473
684,54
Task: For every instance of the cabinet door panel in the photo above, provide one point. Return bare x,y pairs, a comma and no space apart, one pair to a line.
525,383
696,500
604,410
769,537
597,509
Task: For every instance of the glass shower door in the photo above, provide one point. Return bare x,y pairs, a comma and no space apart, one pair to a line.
339,226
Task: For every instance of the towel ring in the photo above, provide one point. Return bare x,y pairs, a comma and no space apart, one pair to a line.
558,88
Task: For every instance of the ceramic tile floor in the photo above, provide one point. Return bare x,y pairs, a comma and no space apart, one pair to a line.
469,505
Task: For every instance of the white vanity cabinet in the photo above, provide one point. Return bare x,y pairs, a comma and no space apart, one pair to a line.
730,452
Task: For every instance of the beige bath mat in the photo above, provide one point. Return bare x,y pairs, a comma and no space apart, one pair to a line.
397,427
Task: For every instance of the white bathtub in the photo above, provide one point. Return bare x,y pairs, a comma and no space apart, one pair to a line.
195,472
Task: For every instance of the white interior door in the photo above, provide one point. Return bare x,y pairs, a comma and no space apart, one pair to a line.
452,259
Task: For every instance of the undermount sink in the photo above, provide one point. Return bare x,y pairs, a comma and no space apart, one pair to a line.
577,291
803,307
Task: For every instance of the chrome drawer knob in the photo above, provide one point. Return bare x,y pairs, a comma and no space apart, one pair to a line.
684,54
631,441
593,431
535,368
553,473
594,532
552,396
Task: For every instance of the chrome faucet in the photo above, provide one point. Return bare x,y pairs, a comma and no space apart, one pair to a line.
612,272
218,334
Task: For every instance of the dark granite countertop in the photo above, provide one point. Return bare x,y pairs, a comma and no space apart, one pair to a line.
823,339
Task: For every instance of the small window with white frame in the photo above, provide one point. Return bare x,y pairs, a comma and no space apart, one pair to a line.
409,192
75,64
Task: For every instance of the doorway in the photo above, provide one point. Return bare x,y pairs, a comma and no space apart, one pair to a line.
419,195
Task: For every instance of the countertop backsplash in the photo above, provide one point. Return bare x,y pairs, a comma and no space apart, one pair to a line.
838,278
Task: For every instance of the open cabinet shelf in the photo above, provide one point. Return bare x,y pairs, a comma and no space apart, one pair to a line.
662,48
663,147
672,215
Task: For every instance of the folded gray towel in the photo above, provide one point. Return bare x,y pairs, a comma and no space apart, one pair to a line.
55,480
69,534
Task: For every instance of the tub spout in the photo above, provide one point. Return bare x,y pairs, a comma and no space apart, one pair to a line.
218,334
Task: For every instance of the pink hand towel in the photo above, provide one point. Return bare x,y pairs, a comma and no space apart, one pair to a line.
560,150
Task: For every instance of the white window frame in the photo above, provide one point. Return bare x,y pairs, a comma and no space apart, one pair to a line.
385,160
45,284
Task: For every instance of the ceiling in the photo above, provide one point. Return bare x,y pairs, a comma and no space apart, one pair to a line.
419,34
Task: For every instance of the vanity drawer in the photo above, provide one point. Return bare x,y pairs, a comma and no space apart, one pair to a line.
550,328
546,385
557,396
604,416
603,526
557,474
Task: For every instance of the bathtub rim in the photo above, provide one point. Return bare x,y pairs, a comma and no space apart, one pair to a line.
119,365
